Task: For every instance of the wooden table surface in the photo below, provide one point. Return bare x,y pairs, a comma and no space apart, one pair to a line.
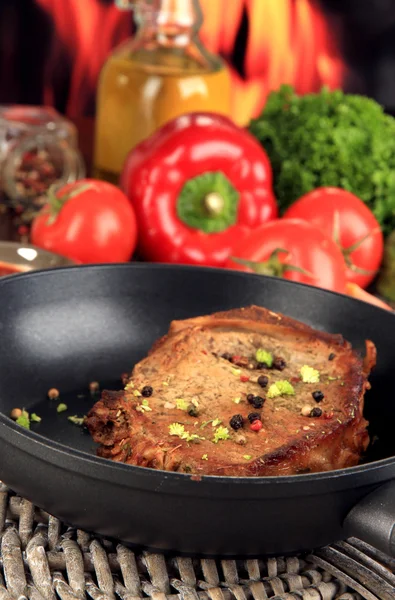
8,228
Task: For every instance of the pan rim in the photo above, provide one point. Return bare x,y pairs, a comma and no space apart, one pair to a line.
176,267
31,439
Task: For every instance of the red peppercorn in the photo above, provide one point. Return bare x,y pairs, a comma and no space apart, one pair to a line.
256,425
244,378
235,359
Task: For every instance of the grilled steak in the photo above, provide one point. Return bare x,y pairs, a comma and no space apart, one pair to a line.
246,392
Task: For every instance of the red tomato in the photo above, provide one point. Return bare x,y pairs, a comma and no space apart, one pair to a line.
88,221
357,228
304,246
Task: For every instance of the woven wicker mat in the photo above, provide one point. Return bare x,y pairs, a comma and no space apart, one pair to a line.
42,559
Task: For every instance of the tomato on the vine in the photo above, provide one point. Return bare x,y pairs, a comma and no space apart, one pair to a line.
347,220
295,250
88,221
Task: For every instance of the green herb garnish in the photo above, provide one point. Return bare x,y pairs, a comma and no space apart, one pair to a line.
280,388
24,420
144,406
178,430
205,457
222,433
76,420
309,375
182,404
35,418
265,357
61,407
247,456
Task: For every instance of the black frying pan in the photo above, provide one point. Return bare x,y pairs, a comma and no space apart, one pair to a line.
67,327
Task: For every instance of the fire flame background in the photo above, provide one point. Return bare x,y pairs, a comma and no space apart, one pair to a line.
51,51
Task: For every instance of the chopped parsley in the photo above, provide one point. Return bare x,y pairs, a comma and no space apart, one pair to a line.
144,406
222,433
129,386
247,456
182,404
265,357
237,400
76,420
179,430
236,372
23,420
136,393
280,388
61,407
216,422
309,375
205,457
35,418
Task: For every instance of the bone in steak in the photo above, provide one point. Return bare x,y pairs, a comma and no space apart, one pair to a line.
193,405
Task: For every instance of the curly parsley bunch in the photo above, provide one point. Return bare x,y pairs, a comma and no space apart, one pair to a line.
330,139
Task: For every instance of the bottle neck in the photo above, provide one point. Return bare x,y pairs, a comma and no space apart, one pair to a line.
171,23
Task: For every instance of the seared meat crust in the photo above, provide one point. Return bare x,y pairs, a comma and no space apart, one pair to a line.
201,373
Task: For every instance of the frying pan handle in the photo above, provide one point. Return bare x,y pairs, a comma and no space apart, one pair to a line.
373,519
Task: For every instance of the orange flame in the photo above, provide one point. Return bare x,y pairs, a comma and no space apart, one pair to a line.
289,41
89,31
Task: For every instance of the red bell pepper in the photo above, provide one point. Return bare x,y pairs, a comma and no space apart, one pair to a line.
198,185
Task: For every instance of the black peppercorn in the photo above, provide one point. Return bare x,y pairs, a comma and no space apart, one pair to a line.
331,356
258,401
226,356
263,380
260,366
316,412
318,396
236,422
279,363
254,417
192,410
147,391
250,398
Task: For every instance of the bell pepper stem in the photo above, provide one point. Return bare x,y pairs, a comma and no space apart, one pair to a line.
213,204
208,202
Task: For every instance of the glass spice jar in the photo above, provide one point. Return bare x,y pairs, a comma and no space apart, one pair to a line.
38,148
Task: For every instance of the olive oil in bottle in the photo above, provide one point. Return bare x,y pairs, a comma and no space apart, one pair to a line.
163,72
